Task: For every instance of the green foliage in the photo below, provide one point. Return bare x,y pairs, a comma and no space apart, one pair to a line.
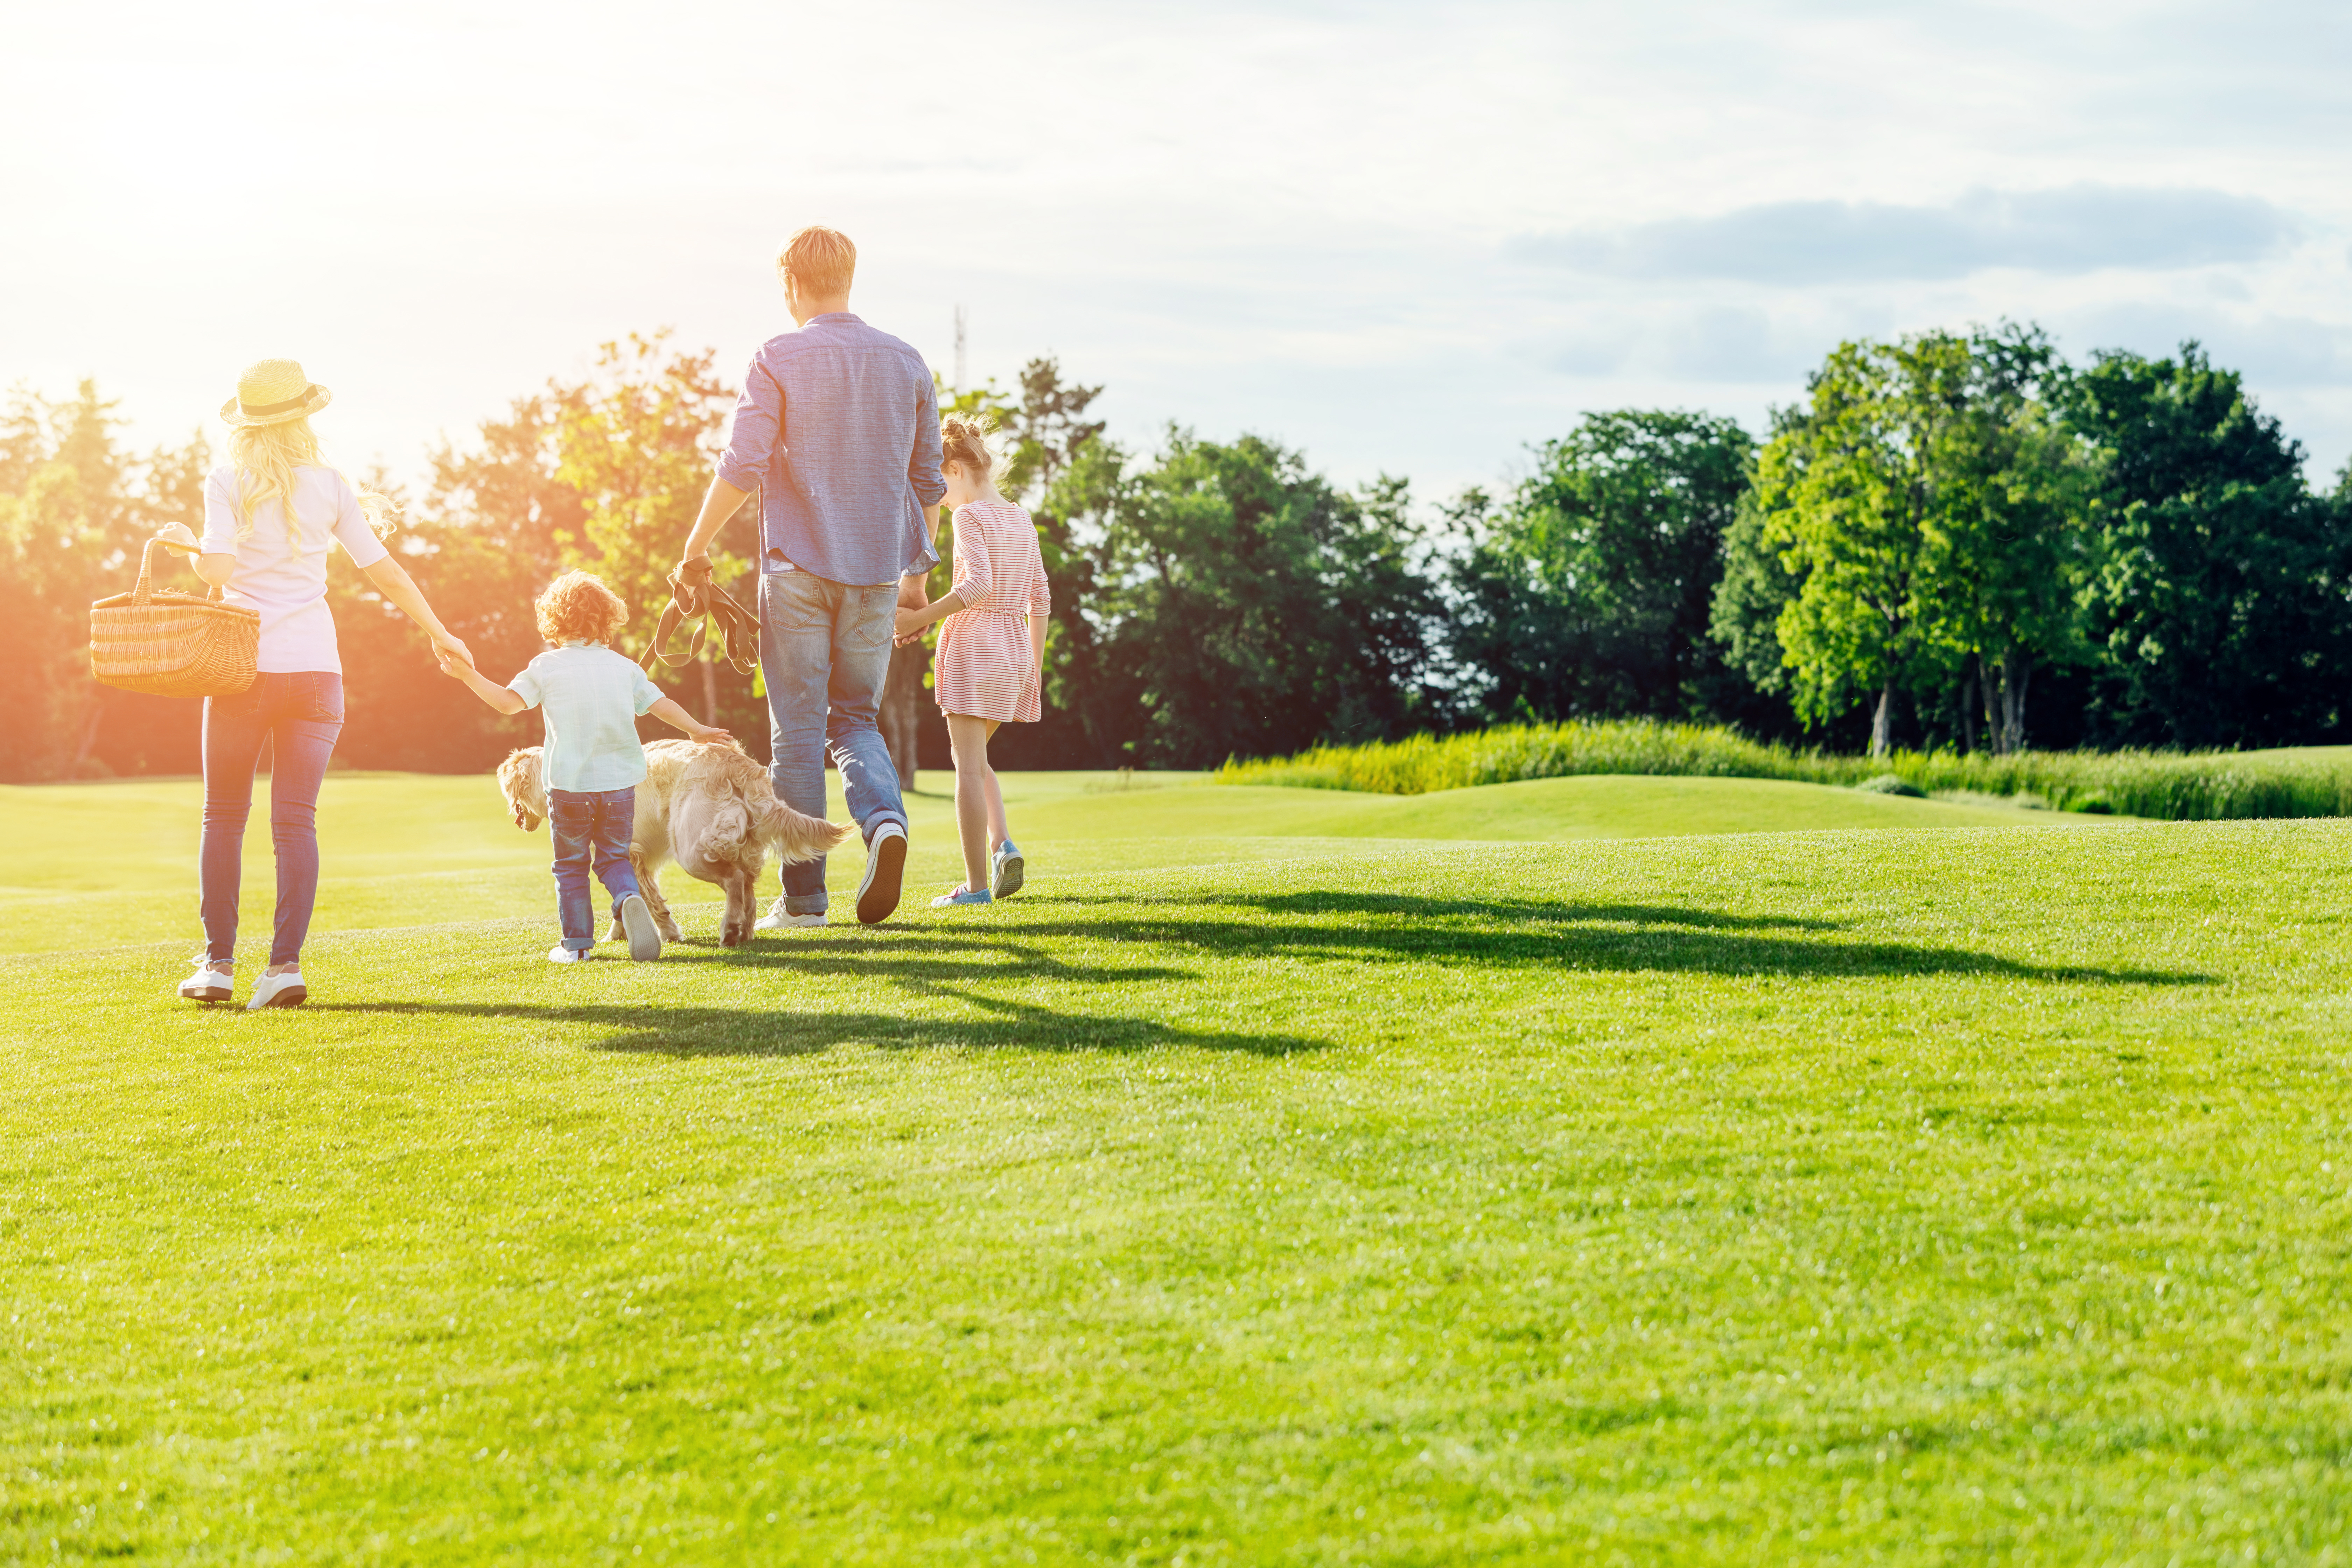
1587,593
2199,786
1892,784
1944,519
638,442
603,473
1924,507
2220,603
75,512
1239,602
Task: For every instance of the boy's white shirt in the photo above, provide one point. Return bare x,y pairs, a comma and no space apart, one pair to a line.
589,698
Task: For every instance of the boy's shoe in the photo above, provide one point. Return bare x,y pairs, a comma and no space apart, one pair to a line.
956,895
885,871
644,937
1005,868
207,983
560,954
285,990
778,918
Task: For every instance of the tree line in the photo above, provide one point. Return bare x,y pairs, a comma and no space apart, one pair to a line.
1950,540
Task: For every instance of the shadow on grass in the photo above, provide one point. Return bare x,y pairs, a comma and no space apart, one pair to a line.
941,960
764,1032
1524,934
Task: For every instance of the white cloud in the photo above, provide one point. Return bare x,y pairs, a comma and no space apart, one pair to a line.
2078,228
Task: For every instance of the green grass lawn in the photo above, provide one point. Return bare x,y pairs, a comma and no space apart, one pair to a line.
1591,1170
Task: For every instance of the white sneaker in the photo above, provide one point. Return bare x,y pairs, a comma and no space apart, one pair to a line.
285,990
778,917
560,954
644,937
885,871
208,983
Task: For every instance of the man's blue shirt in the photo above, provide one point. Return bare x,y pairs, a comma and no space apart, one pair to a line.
838,428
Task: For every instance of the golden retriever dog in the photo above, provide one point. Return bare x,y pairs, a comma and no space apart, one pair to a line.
710,808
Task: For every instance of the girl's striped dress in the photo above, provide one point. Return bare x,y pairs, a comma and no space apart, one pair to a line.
984,668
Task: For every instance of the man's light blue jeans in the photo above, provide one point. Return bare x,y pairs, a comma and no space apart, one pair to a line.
824,653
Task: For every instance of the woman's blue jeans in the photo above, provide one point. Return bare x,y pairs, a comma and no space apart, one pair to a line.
299,715
591,828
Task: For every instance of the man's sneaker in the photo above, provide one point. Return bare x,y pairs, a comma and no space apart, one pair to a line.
1006,868
959,895
644,937
885,870
285,990
560,954
778,918
208,983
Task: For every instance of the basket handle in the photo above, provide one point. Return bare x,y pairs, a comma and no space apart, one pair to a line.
145,589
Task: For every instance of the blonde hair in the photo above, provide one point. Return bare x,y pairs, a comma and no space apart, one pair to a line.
974,444
819,259
578,606
265,457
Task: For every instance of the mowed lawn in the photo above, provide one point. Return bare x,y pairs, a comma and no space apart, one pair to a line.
1284,1177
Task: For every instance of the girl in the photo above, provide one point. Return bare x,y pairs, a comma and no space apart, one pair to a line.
987,671
271,516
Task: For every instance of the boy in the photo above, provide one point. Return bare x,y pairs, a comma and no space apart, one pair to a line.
589,698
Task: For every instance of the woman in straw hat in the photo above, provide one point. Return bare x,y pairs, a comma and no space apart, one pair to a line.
272,515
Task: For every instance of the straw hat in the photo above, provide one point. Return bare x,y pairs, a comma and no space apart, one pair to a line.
271,392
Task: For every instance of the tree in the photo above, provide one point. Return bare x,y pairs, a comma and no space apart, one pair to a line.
603,473
1242,606
2011,488
1923,508
1049,426
2218,602
75,513
1845,493
1590,591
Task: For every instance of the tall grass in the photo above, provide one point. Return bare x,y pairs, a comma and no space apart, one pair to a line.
2191,786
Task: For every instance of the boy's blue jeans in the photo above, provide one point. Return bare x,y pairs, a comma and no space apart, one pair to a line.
591,829
824,653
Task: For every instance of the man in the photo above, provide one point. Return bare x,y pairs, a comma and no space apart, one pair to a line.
839,429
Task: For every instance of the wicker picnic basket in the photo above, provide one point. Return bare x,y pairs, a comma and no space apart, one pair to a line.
170,644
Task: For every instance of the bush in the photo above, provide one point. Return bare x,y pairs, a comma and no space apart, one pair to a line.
2177,786
1892,784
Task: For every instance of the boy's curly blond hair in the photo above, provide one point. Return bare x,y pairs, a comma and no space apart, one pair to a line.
578,606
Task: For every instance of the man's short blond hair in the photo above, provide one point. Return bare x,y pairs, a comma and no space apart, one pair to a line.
819,259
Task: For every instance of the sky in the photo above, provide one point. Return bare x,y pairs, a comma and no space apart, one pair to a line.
1404,239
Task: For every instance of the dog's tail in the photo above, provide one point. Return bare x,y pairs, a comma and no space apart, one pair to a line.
795,836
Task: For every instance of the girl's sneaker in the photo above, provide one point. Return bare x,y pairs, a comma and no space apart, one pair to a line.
1006,881
560,954
285,990
207,983
956,895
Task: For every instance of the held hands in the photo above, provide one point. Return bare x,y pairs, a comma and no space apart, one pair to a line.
911,624
446,650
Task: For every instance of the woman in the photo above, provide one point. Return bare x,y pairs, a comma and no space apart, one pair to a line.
270,516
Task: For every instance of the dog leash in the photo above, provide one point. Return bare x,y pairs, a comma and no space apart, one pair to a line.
694,596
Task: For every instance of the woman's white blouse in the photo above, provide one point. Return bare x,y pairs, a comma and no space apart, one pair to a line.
287,581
